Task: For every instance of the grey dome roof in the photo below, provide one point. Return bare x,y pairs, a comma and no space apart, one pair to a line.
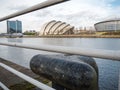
109,20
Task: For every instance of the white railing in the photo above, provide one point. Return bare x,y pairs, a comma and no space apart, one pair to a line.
119,81
3,86
28,10
105,54
33,8
25,77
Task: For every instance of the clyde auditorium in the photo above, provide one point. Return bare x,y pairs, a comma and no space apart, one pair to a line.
56,28
108,25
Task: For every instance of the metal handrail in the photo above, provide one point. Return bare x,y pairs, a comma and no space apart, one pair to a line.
27,78
119,81
3,86
97,53
33,8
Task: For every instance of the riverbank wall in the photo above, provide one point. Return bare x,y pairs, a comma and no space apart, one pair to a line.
73,36
80,36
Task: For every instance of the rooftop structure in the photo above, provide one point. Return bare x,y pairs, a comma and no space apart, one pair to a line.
108,25
56,28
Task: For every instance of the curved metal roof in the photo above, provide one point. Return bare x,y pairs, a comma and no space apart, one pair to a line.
108,20
52,28
43,28
55,27
57,30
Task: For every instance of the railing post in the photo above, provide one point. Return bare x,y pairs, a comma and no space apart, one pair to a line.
67,72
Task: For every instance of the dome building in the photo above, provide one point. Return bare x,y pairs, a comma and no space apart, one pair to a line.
108,25
56,28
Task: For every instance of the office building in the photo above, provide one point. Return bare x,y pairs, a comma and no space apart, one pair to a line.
14,27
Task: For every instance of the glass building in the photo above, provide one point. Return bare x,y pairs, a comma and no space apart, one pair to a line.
14,27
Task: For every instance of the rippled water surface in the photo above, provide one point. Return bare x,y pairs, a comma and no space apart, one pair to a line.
108,69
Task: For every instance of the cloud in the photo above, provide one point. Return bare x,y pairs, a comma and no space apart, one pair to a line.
75,12
17,8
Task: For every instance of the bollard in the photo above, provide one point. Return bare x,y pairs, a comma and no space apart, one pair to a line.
67,72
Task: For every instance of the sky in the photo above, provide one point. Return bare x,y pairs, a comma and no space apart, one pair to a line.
78,13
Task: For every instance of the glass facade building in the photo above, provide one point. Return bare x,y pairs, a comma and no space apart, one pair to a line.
14,27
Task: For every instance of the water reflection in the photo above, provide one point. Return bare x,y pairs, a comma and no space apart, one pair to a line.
108,69
16,40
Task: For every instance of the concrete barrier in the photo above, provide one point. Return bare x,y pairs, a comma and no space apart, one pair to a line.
67,72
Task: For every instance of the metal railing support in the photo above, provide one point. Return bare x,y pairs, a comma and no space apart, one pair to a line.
3,86
105,54
67,72
27,78
119,80
33,8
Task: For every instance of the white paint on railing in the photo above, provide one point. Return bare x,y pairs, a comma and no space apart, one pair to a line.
119,81
105,54
3,86
27,78
33,8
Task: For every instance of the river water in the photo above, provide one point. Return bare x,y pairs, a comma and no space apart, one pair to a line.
108,69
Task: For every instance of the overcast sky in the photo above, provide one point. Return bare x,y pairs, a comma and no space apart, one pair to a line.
78,13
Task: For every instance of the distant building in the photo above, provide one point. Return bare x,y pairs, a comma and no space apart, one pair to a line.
56,28
14,27
108,25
